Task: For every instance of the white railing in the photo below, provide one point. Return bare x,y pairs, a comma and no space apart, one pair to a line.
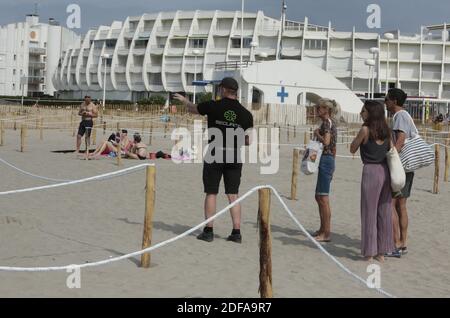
431,75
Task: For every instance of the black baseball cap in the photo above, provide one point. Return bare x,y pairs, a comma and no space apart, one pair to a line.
230,83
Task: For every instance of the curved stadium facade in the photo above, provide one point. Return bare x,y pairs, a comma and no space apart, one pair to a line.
157,53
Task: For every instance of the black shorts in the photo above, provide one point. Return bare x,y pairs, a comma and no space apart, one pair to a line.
212,173
85,128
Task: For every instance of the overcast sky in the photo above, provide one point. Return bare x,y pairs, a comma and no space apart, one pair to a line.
406,15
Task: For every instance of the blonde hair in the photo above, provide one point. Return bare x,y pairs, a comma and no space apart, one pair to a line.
334,109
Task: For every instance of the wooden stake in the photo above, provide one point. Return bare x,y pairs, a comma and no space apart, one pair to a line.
2,133
72,125
305,138
150,134
447,160
41,129
265,248
94,133
22,137
104,128
86,142
436,169
118,126
295,162
149,210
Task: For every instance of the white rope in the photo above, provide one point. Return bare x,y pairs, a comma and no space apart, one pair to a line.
31,174
73,182
186,233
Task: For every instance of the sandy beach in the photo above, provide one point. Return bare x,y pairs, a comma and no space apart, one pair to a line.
97,220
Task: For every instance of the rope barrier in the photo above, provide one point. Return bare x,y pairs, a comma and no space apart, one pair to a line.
31,174
73,182
195,228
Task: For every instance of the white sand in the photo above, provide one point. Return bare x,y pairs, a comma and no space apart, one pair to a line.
90,222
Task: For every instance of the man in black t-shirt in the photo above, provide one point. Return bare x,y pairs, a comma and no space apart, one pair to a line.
228,121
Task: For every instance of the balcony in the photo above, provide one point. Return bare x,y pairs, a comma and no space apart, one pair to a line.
120,69
156,50
136,69
175,51
190,51
103,34
35,79
431,76
93,69
222,32
144,33
269,31
217,50
86,52
153,68
139,50
36,65
293,33
37,51
115,34
192,68
123,50
200,32
231,66
173,68
156,87
163,31
180,32
247,33
129,33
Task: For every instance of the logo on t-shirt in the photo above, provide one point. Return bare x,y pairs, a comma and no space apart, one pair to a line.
230,116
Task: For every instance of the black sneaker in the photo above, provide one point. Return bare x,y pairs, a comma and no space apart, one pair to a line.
206,236
237,238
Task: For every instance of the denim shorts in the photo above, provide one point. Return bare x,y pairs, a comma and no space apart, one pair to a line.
326,170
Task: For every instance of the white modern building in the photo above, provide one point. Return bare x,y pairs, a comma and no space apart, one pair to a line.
29,55
160,53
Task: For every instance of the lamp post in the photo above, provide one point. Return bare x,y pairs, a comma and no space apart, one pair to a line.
389,37
370,63
104,57
196,54
375,51
242,49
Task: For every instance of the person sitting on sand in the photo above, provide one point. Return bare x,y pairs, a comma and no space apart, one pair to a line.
110,145
138,149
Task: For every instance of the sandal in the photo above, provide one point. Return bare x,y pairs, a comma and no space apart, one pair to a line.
404,250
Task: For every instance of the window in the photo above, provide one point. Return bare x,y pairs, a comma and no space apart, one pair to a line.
236,43
21,43
15,57
14,86
14,71
45,44
198,43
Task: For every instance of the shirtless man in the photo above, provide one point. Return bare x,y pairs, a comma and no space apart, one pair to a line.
87,111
